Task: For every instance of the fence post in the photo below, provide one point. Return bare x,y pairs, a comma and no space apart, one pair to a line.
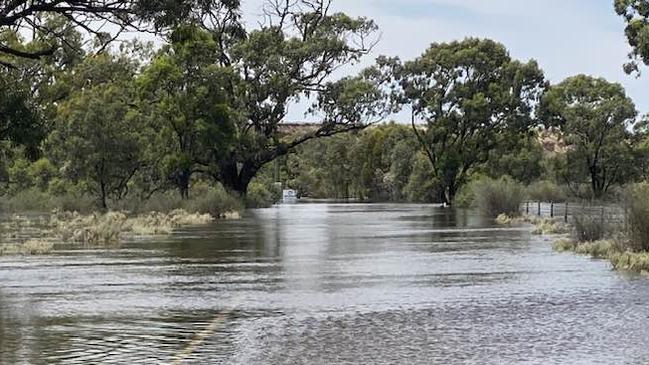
539,210
551,210
565,216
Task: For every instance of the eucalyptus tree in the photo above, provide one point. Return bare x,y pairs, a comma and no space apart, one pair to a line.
292,56
183,103
595,117
471,97
94,140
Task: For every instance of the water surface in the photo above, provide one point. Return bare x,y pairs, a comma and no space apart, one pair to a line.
325,284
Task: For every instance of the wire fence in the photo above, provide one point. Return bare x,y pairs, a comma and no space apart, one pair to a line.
611,213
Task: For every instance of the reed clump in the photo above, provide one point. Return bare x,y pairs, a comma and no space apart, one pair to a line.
548,226
630,261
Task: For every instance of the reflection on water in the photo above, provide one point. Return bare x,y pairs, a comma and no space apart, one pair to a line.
324,284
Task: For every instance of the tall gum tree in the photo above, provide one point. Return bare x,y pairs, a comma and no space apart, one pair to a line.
471,97
595,117
93,139
182,101
291,57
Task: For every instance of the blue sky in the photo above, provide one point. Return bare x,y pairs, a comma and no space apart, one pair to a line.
566,37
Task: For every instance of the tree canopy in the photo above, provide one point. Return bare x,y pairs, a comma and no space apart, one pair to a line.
636,16
103,19
292,56
595,117
472,97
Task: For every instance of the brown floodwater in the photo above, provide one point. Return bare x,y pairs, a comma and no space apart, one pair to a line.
325,284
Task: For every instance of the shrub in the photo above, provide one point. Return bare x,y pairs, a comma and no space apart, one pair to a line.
501,196
546,191
213,200
590,227
637,216
41,173
630,261
260,197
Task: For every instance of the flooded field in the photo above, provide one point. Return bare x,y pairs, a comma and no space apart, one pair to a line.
324,284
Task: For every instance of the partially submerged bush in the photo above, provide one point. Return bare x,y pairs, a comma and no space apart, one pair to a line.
637,217
501,196
259,196
213,200
597,249
564,245
591,227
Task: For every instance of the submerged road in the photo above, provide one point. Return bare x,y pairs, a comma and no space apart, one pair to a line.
325,284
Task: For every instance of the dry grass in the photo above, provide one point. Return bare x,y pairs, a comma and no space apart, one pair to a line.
504,220
30,247
40,236
113,227
548,226
630,261
611,250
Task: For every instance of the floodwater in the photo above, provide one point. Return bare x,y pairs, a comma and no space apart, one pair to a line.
325,284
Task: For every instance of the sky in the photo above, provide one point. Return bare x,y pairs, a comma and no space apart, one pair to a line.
566,37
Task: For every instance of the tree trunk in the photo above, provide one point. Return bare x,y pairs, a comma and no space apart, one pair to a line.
596,184
236,179
102,197
182,180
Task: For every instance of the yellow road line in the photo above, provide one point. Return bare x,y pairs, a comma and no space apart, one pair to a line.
201,336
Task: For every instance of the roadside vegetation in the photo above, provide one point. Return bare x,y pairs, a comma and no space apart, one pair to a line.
623,240
40,234
198,124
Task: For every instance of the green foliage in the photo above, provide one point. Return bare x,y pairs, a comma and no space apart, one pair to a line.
20,120
35,200
422,187
215,201
93,137
496,197
381,163
183,104
293,56
259,196
594,116
637,216
521,158
636,17
546,191
41,173
473,98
